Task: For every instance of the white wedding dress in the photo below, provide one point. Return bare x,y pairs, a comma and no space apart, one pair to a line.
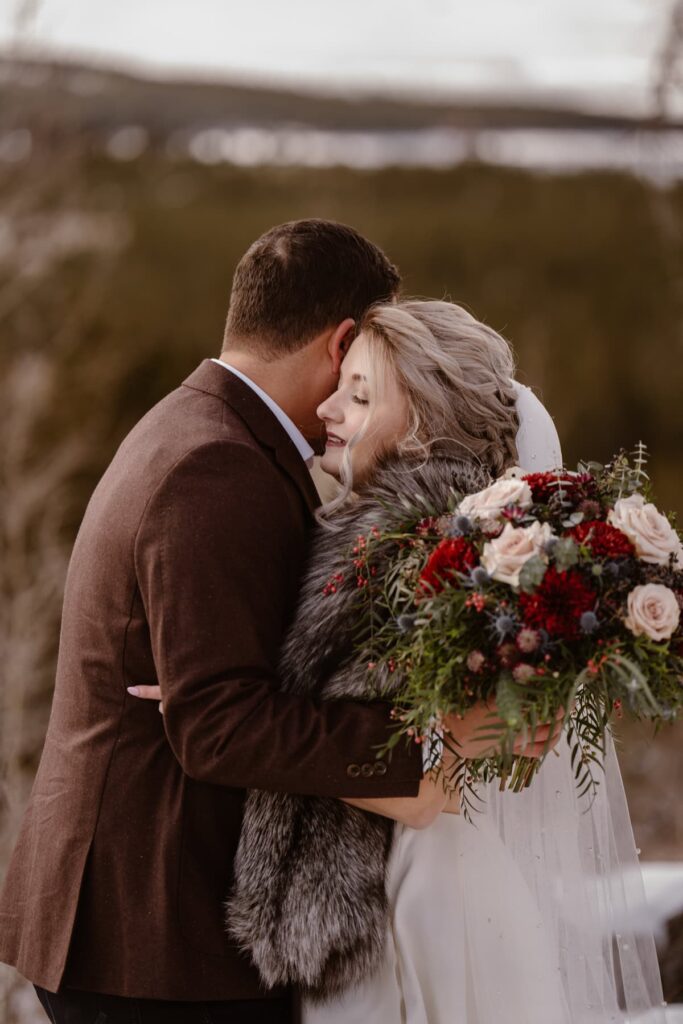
523,916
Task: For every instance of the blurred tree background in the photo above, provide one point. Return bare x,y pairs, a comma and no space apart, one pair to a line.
114,282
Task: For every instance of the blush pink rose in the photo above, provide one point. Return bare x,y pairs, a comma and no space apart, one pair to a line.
650,532
487,505
653,611
504,556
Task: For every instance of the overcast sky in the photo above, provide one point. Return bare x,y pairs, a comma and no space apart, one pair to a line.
594,52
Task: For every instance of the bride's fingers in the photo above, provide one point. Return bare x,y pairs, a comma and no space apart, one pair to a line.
536,739
543,739
145,692
532,750
553,727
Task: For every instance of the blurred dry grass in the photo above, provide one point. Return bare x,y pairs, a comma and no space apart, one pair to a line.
652,767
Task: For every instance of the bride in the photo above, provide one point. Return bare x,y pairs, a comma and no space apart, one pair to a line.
400,911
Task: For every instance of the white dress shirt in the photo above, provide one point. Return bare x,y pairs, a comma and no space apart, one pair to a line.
302,446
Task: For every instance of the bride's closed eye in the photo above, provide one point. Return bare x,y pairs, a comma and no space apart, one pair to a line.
359,401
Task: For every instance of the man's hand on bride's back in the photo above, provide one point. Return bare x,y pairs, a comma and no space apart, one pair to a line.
472,733
147,693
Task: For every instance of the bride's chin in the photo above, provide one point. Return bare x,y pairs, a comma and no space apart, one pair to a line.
330,467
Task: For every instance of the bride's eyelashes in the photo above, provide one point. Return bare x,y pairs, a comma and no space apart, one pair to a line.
359,401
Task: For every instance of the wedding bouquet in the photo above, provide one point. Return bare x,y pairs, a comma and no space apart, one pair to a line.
543,591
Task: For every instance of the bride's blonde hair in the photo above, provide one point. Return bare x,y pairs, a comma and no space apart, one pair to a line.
457,375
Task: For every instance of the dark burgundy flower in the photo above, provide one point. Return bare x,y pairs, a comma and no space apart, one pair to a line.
558,603
452,555
427,526
513,513
590,508
508,655
576,486
603,540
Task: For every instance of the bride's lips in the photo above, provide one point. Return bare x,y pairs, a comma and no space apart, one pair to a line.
335,442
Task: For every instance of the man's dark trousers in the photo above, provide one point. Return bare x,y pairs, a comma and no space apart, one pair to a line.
73,1007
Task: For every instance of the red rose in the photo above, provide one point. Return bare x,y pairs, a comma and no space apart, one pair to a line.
576,486
452,555
603,540
558,603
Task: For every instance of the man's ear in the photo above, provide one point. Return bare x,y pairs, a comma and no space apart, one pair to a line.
338,344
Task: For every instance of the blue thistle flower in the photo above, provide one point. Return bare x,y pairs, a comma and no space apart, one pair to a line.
460,526
504,625
479,576
546,643
588,622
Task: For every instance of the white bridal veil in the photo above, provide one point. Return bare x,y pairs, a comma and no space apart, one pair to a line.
577,859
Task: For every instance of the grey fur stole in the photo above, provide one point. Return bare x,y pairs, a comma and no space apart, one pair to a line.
309,901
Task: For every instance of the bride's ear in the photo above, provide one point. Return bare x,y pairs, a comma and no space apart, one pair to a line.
339,342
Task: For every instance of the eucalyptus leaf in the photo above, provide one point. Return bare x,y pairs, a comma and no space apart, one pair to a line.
565,553
532,573
507,701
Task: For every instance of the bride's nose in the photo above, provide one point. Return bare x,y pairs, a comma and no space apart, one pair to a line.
329,411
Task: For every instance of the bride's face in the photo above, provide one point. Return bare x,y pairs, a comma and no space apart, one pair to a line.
353,407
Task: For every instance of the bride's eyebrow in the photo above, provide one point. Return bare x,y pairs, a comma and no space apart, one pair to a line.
359,377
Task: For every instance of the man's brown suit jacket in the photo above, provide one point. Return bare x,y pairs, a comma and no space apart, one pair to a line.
185,572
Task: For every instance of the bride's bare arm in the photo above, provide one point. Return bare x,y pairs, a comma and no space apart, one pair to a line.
452,805
415,811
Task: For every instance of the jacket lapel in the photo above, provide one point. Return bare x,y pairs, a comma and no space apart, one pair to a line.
217,380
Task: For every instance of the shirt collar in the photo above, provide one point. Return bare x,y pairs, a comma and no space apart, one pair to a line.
298,439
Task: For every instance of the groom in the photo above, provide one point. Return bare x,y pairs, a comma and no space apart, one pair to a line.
185,573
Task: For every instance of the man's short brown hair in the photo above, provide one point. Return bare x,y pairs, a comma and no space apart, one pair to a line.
300,278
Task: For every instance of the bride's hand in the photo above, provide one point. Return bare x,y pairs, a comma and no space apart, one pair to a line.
472,733
147,693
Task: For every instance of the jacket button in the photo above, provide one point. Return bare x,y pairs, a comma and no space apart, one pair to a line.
380,768
353,771
367,771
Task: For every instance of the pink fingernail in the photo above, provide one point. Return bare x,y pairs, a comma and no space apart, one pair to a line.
134,690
